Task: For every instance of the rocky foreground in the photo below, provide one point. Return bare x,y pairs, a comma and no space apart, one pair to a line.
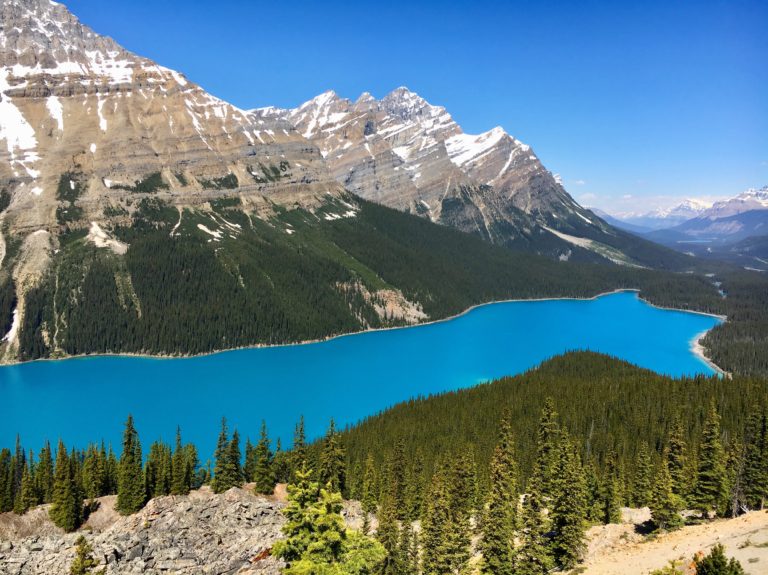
201,533
232,533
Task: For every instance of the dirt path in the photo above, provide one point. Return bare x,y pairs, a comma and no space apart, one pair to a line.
619,553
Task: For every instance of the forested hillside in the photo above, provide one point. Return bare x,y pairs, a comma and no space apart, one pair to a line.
196,281
617,414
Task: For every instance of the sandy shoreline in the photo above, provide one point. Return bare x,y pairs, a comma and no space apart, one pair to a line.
698,351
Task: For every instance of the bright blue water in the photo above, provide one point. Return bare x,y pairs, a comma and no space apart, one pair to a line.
87,399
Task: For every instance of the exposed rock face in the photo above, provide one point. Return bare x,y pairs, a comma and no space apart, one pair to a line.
201,533
408,154
76,102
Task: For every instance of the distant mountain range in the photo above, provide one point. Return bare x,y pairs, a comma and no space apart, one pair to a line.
660,218
731,229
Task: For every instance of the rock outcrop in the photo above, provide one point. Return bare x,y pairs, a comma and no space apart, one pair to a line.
201,533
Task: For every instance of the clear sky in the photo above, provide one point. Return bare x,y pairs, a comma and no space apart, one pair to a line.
631,102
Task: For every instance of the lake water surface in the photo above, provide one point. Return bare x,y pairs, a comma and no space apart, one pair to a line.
87,399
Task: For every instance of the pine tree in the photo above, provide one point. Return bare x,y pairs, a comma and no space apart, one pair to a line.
83,562
711,482
388,534
44,475
641,486
611,512
131,490
547,442
29,493
226,473
316,540
736,487
755,464
6,482
93,473
299,449
396,478
498,528
250,460
716,563
594,493
665,503
263,473
281,464
437,519
414,488
333,461
180,469
235,458
533,557
67,509
676,449
569,509
368,499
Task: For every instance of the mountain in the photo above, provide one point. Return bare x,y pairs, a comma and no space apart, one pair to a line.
749,200
138,213
661,218
410,155
618,223
721,230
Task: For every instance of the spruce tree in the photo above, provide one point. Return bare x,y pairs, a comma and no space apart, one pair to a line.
437,519
316,540
250,460
711,481
533,556
299,449
235,458
641,486
6,487
388,534
611,503
263,472
665,503
281,464
83,562
29,493
369,498
497,542
67,509
414,488
716,563
677,461
181,472
332,461
44,475
755,460
569,509
131,489
547,442
594,493
226,472
736,487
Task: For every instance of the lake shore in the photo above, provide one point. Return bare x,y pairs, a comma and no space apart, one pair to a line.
696,348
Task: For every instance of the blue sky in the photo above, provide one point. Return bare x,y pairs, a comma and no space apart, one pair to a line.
633,103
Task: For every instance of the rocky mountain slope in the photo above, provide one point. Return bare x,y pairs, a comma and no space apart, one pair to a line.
408,154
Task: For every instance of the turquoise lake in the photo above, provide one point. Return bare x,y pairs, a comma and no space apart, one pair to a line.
87,399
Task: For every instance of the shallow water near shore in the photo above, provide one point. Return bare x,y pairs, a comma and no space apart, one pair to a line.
87,399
